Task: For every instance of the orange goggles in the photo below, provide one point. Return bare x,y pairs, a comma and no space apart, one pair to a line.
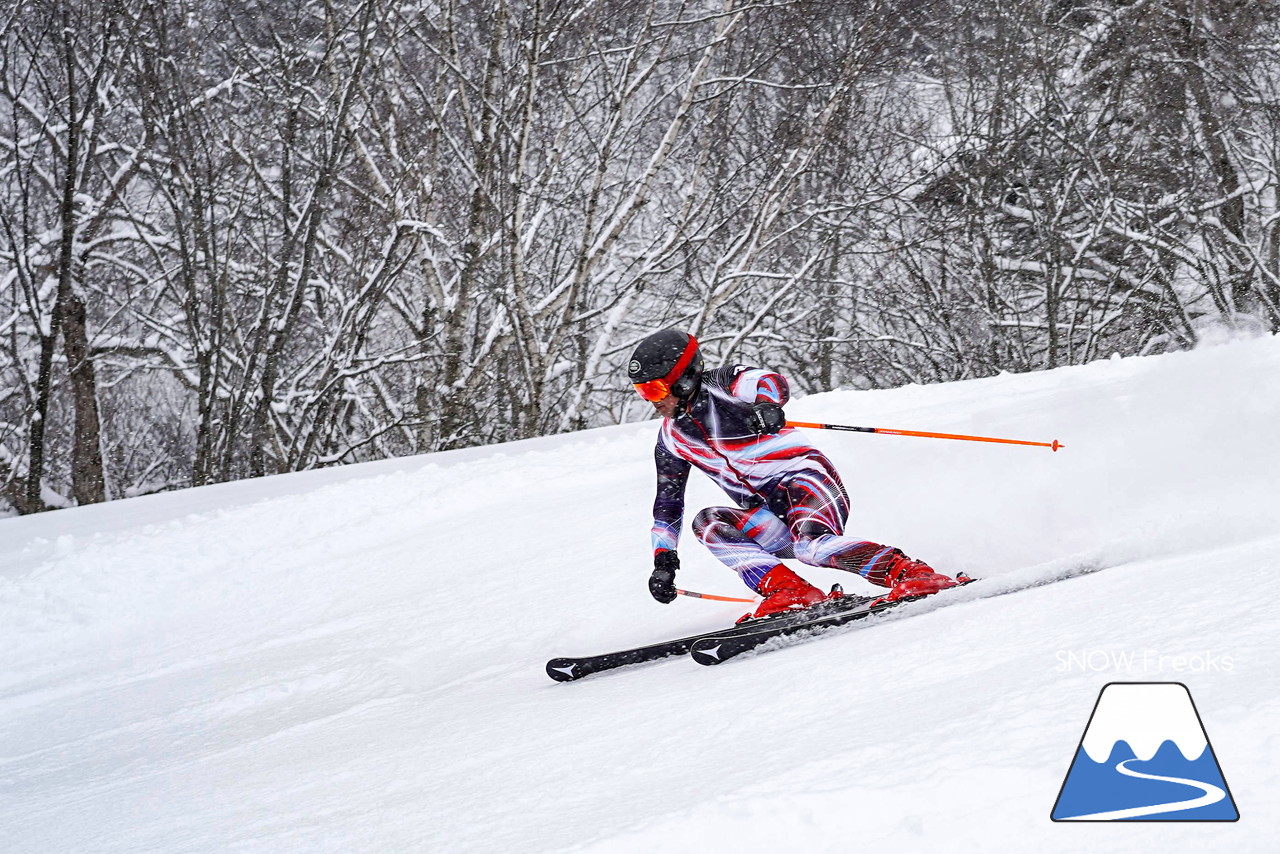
653,390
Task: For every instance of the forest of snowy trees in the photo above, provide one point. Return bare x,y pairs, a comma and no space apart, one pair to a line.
242,237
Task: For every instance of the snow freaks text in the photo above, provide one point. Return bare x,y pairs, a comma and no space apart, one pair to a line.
1141,661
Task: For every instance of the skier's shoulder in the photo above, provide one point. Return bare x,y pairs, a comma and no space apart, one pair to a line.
725,377
747,383
731,377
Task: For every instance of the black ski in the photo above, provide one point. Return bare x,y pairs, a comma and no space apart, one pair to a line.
717,649
572,669
820,618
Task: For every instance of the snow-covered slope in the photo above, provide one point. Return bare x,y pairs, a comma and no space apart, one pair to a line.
351,660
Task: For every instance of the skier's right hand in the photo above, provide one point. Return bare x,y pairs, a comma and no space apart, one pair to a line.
662,583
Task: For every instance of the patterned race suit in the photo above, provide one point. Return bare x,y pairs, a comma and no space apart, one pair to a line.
791,503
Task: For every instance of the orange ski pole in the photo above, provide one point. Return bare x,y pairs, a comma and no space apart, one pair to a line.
1055,444
696,595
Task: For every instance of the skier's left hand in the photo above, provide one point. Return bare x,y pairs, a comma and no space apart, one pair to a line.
767,417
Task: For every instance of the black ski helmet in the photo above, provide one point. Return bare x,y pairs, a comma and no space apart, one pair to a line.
666,362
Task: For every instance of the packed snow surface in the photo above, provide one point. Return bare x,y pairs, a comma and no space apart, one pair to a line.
352,659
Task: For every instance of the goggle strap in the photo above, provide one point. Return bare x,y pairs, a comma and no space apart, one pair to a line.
683,362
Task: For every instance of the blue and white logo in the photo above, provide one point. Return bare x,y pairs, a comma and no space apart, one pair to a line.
1145,756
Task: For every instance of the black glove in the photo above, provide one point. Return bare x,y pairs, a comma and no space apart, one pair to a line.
662,584
767,417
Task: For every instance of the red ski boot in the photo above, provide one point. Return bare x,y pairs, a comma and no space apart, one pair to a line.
783,590
909,577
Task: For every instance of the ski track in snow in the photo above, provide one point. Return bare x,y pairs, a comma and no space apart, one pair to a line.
352,659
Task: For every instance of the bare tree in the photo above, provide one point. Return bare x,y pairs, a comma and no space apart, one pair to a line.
238,239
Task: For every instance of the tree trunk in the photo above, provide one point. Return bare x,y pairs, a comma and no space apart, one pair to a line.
88,479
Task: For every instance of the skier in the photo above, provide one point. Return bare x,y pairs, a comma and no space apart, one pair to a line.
791,504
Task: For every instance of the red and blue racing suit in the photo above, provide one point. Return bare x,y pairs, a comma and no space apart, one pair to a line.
791,503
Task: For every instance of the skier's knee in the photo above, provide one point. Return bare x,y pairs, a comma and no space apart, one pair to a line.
705,518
